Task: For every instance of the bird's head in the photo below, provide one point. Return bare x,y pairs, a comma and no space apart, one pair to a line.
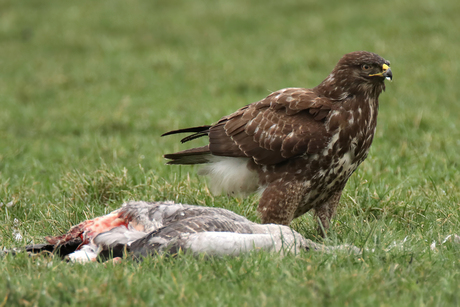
359,72
365,65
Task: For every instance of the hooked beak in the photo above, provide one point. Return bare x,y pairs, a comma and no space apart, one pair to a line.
386,73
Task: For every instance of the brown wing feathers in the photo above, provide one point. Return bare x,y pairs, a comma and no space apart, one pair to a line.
287,123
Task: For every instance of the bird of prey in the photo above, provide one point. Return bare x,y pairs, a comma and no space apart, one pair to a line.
143,228
297,146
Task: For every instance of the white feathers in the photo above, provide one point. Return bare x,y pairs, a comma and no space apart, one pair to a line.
351,120
272,128
344,95
346,161
119,235
230,175
333,140
86,253
330,78
16,233
234,244
290,135
269,237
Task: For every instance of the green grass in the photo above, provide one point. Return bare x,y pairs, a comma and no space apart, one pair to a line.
87,88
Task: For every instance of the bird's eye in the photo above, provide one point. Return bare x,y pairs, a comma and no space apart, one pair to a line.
365,67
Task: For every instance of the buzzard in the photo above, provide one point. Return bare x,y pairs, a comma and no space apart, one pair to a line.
297,146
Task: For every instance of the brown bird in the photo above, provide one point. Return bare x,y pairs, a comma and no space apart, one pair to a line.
297,146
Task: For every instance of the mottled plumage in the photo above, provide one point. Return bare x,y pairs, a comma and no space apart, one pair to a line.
297,146
143,228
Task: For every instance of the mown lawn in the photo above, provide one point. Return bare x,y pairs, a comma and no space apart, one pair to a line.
88,87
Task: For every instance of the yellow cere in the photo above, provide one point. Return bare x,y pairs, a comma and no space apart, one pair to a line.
385,67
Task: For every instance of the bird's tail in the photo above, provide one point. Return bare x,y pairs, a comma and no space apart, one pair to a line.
197,155
197,132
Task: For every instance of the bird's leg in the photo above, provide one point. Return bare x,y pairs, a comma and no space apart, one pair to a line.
279,202
326,211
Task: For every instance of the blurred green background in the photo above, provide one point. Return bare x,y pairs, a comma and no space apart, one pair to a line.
88,87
